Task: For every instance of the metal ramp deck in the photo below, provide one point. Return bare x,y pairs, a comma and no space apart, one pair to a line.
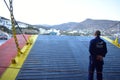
65,58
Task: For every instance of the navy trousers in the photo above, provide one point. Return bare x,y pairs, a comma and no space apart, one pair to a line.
95,65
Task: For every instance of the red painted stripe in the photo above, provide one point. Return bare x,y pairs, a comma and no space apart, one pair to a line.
8,51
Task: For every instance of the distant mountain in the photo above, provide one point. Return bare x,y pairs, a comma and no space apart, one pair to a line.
98,24
87,24
65,26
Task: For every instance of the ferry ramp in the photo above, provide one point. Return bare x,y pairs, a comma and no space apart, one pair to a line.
66,58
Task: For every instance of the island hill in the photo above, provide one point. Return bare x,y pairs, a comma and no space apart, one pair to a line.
85,27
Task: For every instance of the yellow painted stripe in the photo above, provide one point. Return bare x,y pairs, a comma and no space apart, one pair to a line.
12,71
112,41
108,39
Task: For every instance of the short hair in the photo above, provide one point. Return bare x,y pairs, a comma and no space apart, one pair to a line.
97,33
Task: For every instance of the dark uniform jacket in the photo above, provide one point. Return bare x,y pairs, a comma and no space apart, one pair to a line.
97,47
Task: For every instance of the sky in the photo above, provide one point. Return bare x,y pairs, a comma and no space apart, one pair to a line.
53,12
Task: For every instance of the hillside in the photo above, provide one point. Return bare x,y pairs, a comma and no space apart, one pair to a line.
5,29
98,24
65,26
5,26
87,24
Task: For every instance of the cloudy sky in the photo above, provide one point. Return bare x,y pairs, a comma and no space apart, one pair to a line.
61,11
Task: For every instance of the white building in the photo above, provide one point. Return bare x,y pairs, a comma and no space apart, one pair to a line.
5,22
22,25
42,31
50,31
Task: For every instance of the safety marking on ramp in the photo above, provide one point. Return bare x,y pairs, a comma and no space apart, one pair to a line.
12,71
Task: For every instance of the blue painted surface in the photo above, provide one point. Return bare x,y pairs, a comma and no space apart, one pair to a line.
66,58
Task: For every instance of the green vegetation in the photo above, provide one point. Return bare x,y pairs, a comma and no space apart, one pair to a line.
27,30
74,34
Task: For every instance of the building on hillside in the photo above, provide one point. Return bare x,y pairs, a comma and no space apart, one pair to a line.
49,31
23,25
5,22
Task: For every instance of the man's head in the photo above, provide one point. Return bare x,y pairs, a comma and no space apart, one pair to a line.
97,33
